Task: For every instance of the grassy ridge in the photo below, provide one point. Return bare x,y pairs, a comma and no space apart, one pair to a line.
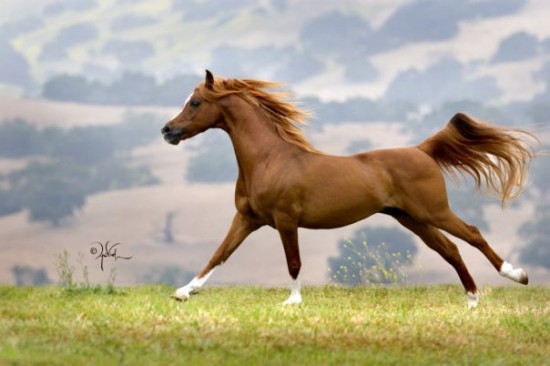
245,325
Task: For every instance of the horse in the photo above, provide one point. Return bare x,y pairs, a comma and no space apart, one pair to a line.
285,183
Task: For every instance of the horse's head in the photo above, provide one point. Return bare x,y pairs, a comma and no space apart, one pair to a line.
198,115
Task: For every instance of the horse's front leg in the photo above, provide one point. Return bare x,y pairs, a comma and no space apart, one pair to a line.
289,236
241,227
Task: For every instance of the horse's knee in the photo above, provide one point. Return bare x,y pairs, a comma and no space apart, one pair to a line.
294,268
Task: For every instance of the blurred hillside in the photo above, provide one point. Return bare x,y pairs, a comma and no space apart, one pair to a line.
86,85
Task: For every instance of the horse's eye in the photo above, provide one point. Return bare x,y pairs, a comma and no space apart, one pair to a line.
195,103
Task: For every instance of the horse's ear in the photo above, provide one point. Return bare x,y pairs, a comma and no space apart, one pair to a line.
209,80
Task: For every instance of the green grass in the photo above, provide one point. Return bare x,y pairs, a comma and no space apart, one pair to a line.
247,326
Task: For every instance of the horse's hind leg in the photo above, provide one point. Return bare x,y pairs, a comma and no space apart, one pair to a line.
449,222
442,245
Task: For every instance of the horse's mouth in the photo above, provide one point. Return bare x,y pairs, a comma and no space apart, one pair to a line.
171,135
171,139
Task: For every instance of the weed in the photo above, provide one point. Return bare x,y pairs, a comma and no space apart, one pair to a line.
66,271
112,278
84,268
363,264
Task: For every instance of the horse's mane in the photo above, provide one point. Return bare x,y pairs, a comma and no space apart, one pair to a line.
284,114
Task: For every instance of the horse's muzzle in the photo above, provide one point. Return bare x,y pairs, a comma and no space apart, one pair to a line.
172,135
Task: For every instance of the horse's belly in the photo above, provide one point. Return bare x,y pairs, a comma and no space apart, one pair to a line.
338,213
344,196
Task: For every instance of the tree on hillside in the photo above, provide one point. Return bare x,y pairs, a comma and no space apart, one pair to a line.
131,88
129,52
343,32
49,192
446,80
356,109
289,64
56,190
69,88
519,46
73,164
18,138
67,37
8,203
174,90
30,276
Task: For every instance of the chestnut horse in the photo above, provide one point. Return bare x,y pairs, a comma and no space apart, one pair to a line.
285,183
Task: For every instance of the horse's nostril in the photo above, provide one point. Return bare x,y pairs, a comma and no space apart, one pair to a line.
165,130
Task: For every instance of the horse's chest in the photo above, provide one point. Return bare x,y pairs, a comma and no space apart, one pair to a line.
268,195
262,203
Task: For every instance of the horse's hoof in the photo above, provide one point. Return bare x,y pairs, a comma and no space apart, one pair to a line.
295,299
523,278
473,299
515,274
180,298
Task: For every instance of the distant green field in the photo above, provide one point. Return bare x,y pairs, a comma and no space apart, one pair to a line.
247,326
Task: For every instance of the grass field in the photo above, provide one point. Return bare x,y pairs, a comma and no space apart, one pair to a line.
247,326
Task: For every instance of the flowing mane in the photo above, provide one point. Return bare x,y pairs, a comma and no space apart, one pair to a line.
284,114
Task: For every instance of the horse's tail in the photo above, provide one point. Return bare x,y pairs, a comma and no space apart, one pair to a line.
497,158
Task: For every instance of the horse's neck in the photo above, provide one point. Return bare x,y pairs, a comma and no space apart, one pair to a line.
253,135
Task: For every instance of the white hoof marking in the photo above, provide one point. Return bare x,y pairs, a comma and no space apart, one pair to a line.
515,274
473,299
183,293
295,294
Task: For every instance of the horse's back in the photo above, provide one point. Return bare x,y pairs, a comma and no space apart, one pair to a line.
402,163
412,173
